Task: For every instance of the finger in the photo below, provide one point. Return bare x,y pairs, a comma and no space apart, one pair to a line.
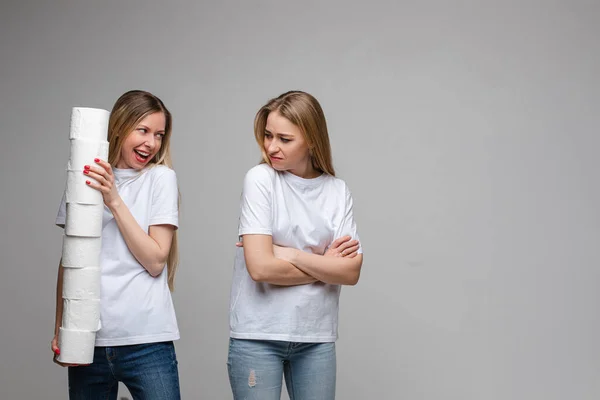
352,255
97,186
105,165
99,178
349,243
352,249
95,168
239,244
339,241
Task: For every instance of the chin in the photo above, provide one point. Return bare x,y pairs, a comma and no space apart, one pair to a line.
279,168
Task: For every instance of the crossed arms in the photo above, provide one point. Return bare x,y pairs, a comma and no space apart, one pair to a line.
286,266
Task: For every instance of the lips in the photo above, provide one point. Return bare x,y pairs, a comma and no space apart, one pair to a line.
141,156
275,158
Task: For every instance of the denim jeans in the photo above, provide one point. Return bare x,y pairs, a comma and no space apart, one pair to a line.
148,370
256,368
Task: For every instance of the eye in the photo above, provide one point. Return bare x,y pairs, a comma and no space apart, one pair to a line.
284,140
160,135
268,135
143,130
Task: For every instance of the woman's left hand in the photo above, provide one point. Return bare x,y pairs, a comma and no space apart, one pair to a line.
104,182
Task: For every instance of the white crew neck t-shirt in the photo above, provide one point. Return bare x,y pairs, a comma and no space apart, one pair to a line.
135,308
306,214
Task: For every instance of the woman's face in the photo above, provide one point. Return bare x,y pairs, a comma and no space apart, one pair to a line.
286,146
142,144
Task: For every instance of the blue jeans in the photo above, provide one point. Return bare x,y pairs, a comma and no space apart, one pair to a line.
256,368
148,370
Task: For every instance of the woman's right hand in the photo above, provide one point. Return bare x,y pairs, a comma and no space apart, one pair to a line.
343,247
56,352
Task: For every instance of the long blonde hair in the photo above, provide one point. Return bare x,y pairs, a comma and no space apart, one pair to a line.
127,112
304,111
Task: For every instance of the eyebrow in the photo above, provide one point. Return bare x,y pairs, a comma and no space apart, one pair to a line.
145,127
280,134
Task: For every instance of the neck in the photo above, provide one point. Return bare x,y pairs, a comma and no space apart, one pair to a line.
306,172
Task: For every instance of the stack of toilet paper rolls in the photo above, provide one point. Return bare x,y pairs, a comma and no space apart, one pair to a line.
82,239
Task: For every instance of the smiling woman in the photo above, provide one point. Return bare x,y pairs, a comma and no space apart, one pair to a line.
138,258
143,143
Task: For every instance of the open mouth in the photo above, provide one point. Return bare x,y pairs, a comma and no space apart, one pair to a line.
141,156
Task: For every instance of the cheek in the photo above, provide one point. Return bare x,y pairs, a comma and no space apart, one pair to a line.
299,152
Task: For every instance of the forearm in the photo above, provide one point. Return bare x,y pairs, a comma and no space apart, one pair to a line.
333,270
59,300
143,247
281,272
269,269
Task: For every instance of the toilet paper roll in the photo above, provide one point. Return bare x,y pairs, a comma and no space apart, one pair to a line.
82,315
83,152
81,283
89,123
78,191
79,252
76,347
84,220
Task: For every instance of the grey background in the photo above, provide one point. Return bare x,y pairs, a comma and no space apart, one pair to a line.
465,130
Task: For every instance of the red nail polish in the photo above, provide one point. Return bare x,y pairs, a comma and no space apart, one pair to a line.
86,167
88,182
57,351
96,159
86,172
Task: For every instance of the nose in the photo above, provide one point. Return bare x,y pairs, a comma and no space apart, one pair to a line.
150,142
272,147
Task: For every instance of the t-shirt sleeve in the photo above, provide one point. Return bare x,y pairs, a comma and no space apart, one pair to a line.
256,216
165,200
348,225
61,217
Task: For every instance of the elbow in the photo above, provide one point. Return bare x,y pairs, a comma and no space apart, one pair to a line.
255,273
155,269
352,278
353,274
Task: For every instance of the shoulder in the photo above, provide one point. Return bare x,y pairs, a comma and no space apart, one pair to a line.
261,173
160,173
337,184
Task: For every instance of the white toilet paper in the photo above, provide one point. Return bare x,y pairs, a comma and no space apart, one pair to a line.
78,191
84,151
79,252
82,315
76,347
84,220
89,123
81,283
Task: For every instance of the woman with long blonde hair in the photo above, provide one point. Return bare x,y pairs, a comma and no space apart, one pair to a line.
298,246
138,258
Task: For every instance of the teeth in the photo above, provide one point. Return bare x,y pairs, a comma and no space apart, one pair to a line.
142,154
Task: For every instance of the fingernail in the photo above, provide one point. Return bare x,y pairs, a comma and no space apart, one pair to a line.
88,182
86,172
57,351
96,159
86,167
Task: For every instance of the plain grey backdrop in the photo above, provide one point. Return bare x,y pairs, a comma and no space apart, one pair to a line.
467,132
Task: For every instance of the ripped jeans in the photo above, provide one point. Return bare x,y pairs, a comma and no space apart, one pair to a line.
256,368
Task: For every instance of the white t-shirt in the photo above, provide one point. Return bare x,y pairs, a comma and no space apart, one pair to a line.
306,214
135,308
